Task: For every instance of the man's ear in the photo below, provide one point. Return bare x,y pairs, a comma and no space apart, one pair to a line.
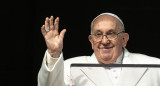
91,41
125,39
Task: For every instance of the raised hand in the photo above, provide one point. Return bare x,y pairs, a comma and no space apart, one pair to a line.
53,39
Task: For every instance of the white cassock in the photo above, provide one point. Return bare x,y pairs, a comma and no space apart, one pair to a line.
59,74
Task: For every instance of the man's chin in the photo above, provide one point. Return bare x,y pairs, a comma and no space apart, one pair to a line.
106,52
106,57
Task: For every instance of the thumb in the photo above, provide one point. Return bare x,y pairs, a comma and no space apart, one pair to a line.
62,33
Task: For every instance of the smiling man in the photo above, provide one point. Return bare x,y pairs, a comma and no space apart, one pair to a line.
108,40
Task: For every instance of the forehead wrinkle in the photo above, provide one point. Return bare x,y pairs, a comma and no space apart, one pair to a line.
105,21
110,30
105,18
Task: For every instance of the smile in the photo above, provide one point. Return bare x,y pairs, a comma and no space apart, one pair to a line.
106,49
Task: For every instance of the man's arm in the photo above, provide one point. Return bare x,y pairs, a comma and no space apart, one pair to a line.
52,71
53,75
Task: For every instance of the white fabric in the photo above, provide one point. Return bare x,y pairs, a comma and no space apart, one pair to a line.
60,73
114,74
50,61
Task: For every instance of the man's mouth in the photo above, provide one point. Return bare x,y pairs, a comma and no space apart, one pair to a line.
106,49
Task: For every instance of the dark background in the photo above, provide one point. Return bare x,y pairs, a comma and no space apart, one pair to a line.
23,46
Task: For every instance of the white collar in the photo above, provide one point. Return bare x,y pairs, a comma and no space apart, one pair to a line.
119,59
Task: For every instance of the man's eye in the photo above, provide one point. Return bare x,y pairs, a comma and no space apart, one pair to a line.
98,35
111,33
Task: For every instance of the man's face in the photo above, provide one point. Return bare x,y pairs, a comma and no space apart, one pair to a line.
107,51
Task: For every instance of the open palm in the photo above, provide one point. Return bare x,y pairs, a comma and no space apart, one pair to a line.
54,40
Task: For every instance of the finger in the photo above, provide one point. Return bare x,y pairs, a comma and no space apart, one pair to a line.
51,23
47,24
56,24
62,33
51,20
43,30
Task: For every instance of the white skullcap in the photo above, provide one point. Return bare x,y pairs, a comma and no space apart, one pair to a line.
111,14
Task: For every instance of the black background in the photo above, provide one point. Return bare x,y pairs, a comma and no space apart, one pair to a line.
23,46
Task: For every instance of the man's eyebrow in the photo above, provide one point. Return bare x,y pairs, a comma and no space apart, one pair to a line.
97,31
111,30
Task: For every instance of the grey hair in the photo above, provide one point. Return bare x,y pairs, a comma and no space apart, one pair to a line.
111,14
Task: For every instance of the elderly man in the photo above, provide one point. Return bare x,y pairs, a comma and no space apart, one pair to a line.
108,40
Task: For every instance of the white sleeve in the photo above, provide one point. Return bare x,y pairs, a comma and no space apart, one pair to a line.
52,75
50,61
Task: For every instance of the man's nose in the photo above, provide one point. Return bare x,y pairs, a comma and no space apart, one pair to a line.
105,40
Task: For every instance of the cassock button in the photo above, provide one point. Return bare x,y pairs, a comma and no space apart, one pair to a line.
114,70
116,77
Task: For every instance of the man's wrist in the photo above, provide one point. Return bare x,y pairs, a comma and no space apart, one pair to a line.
54,54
